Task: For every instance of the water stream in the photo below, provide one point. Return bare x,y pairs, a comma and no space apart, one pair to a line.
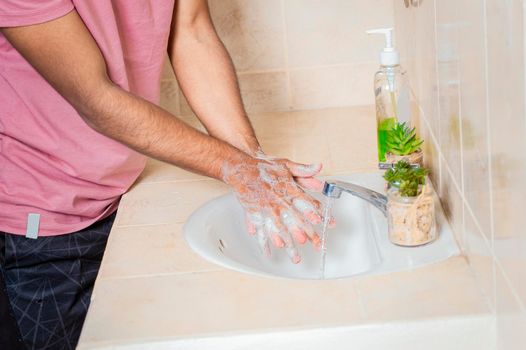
324,235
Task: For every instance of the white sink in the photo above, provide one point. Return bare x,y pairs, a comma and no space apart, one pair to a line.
358,245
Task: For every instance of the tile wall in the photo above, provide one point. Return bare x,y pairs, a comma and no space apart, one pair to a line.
466,60
297,54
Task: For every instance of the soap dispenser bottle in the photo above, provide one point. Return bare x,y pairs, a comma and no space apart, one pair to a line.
391,92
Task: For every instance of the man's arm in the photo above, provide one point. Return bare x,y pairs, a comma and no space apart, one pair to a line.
207,77
66,55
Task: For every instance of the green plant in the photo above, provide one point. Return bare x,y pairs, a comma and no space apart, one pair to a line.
406,178
402,140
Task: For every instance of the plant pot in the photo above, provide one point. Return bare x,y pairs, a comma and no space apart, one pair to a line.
411,220
413,158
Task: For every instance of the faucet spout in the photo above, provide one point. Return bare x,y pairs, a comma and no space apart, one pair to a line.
334,189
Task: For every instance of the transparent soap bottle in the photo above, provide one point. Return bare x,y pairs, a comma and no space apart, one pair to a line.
391,91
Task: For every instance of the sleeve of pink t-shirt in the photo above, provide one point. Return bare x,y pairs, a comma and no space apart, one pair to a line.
15,13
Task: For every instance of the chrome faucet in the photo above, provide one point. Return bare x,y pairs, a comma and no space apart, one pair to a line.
334,189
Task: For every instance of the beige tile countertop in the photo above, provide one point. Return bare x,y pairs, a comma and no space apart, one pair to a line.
153,292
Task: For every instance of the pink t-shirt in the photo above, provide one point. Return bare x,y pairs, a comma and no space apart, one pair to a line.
51,162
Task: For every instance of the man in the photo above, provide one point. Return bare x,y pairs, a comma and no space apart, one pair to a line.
79,80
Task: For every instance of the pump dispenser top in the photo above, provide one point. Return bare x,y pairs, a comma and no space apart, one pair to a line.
389,56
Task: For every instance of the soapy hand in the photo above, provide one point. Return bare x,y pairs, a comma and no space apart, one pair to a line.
278,210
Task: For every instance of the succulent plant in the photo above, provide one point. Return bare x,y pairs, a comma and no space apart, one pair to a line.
402,140
405,178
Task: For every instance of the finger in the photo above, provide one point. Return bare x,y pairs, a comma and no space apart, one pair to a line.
250,224
307,229
292,251
303,170
316,241
332,222
294,255
263,243
309,209
311,234
310,183
293,225
272,232
285,235
278,241
288,225
254,221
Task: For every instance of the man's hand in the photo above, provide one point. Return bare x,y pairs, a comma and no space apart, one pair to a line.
277,209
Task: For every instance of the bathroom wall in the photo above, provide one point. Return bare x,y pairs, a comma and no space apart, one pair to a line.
297,54
465,60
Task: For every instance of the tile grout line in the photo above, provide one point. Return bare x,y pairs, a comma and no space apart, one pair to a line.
488,145
440,176
460,189
462,180
149,225
494,284
286,53
117,225
524,59
145,225
434,140
461,140
159,274
280,70
488,123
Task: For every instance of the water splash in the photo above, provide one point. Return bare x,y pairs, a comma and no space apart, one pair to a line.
326,219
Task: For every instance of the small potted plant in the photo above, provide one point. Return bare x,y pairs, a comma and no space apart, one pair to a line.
410,206
403,144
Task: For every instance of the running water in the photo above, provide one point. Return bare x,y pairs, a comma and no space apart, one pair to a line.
326,219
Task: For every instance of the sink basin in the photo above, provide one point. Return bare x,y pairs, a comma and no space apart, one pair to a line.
357,245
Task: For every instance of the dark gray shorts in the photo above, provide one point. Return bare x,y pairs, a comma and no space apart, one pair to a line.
47,286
